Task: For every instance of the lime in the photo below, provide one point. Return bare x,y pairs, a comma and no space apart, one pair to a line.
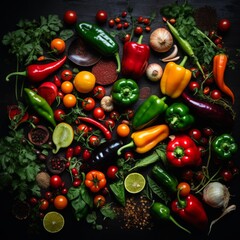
53,222
62,136
134,182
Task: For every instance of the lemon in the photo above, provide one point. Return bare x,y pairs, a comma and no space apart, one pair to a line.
62,136
53,222
134,182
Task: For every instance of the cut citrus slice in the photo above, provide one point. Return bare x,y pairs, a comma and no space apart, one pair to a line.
134,182
62,136
53,222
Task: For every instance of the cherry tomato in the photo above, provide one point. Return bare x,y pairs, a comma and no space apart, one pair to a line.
86,154
123,130
59,115
94,140
33,201
215,94
77,182
83,129
111,23
184,189
88,104
138,30
146,21
58,45
69,100
224,25
77,150
110,123
119,26
140,19
34,119
226,175
117,20
99,201
193,86
126,38
114,115
148,28
124,14
55,181
66,75
67,87
195,72
128,155
60,202
126,25
129,113
207,131
99,113
112,171
99,92
44,204
70,17
101,16
195,134
187,174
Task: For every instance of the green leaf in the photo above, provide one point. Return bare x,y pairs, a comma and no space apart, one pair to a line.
119,191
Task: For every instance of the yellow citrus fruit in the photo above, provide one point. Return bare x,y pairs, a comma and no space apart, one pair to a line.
53,222
62,136
134,182
84,81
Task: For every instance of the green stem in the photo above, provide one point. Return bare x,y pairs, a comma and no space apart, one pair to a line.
128,145
178,225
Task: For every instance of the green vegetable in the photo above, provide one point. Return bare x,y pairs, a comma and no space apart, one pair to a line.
125,92
224,146
100,40
148,111
167,179
118,191
178,117
40,105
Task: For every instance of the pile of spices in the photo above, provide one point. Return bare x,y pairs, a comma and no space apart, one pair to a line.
136,214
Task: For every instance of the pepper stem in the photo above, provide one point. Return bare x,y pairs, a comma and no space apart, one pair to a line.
140,39
24,73
181,203
182,63
117,57
128,145
178,225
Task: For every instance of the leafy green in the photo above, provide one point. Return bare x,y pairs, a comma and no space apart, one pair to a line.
18,165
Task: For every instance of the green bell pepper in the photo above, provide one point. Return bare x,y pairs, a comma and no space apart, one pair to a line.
224,146
148,111
125,92
178,117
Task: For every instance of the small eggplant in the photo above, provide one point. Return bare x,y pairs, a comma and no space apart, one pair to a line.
214,114
106,152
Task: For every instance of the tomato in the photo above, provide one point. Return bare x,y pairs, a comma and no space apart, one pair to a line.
59,115
70,17
77,150
215,94
82,129
227,175
128,155
99,92
66,75
33,201
34,119
119,26
69,100
44,204
148,28
146,21
67,87
112,171
184,189
111,23
77,182
138,30
84,81
95,180
193,86
110,123
126,25
195,134
101,16
60,202
88,104
224,25
187,174
126,38
117,20
94,140
123,130
207,132
99,113
140,19
55,181
129,113
124,14
86,154
58,45
99,201
114,115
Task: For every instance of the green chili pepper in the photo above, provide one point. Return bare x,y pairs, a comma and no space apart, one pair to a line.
168,180
125,92
161,211
224,146
100,40
178,118
40,105
148,111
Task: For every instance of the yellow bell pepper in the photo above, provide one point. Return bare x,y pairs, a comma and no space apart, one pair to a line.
146,139
175,79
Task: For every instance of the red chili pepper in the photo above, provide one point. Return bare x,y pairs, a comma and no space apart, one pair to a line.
182,151
107,133
135,59
38,72
57,81
191,210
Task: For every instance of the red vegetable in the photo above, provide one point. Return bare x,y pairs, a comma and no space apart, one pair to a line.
49,91
182,151
38,72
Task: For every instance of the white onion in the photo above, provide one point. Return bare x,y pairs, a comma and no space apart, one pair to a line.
161,40
154,72
216,195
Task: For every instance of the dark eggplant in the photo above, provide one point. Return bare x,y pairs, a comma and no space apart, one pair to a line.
106,152
214,114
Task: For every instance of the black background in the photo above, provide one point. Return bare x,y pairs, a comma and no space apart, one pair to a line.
13,11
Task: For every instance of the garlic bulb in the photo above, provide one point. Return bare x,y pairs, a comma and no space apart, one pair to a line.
216,195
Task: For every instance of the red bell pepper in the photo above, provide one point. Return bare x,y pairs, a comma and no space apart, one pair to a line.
135,59
182,151
191,210
49,91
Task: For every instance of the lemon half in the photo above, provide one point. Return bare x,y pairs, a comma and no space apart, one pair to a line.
53,222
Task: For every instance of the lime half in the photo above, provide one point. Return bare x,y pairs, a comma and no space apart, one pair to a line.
134,182
62,136
53,222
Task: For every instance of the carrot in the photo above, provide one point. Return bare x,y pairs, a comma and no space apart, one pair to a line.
219,66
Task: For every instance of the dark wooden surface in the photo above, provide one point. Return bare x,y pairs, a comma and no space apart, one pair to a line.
10,228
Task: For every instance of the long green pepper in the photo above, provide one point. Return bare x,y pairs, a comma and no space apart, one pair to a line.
40,105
